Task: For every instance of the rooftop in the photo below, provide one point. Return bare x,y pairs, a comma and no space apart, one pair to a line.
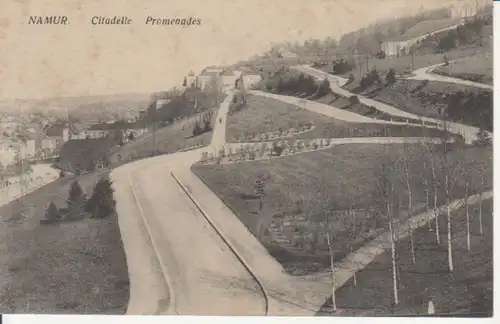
210,73
116,125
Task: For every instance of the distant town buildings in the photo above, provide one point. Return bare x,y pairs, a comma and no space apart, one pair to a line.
119,129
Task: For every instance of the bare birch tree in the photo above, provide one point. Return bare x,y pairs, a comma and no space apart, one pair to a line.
426,192
482,171
324,192
387,192
407,179
434,181
466,196
446,171
384,191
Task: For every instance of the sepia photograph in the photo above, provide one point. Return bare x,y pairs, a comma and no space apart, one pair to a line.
328,158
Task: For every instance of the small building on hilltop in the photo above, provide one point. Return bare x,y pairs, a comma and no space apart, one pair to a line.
401,45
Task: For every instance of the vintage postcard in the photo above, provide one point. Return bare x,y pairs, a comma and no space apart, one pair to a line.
247,157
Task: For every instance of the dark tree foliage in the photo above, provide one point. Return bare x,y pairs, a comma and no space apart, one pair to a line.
75,193
369,79
52,213
341,66
470,108
391,76
102,204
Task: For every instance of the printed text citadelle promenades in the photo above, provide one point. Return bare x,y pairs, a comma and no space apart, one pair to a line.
116,20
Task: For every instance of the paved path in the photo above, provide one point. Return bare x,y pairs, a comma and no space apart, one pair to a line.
469,132
324,109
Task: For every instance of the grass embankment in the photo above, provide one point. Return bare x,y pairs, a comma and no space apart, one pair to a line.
463,104
293,201
477,68
69,267
265,115
468,291
169,139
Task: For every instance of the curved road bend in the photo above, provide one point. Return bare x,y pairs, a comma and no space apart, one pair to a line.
469,132
204,274
426,74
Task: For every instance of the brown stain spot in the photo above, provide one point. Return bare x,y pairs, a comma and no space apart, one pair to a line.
4,23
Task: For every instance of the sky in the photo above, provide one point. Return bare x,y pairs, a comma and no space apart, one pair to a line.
44,61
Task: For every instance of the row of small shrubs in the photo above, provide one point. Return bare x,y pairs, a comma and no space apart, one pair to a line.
251,152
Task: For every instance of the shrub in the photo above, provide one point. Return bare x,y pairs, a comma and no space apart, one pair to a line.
354,100
52,214
278,150
101,204
369,79
483,138
76,198
324,88
391,76
381,55
350,79
341,66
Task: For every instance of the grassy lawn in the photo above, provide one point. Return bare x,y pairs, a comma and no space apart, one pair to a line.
477,68
362,109
169,139
263,115
69,267
469,290
294,194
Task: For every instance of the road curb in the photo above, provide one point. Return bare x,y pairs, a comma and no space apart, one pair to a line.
155,249
137,232
223,237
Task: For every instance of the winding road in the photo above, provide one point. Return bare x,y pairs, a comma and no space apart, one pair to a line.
468,132
425,73
188,254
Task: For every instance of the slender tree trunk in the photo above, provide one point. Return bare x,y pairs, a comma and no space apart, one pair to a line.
467,213
436,211
334,301
481,203
410,227
427,207
393,255
355,281
327,230
448,210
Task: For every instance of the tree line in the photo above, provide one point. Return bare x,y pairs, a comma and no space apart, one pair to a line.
100,204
